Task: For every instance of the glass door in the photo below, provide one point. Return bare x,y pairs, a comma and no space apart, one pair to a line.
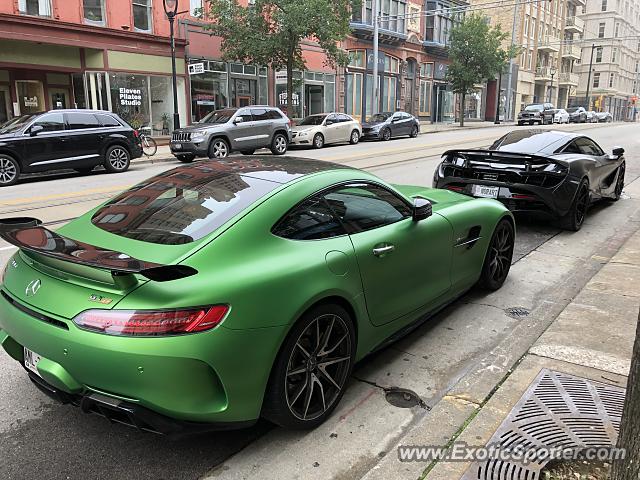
59,98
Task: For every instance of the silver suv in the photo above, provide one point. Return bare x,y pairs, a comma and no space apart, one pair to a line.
243,129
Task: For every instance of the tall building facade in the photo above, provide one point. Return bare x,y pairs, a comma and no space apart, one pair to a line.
611,47
547,33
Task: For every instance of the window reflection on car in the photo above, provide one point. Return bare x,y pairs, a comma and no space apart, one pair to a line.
380,117
313,120
218,116
534,108
15,124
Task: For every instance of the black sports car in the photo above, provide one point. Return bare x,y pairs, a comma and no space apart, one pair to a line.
559,173
385,125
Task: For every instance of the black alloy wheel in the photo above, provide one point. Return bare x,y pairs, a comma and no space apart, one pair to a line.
310,374
497,262
414,131
9,170
355,137
576,215
619,182
386,134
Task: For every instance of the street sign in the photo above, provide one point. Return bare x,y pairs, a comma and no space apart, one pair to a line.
196,68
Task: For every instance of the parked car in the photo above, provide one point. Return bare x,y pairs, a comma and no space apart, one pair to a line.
233,129
60,139
540,113
577,114
386,125
592,117
302,266
604,117
554,172
561,116
323,129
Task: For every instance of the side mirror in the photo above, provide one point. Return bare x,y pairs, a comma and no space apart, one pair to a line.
35,130
238,120
328,122
422,209
618,151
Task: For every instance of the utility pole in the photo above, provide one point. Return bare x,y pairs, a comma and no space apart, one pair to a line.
588,96
376,97
507,113
498,95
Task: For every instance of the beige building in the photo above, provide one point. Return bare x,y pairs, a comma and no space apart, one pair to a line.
546,32
612,37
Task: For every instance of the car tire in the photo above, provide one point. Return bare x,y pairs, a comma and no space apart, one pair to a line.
318,141
117,159
279,144
414,131
9,170
186,158
219,148
292,399
85,170
617,193
497,260
609,120
385,134
247,152
574,218
355,137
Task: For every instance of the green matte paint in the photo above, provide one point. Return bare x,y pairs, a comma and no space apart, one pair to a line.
221,375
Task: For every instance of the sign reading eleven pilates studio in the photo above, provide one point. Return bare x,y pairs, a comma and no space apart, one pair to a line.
130,97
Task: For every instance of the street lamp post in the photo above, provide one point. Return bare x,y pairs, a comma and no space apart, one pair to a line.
553,73
171,9
498,95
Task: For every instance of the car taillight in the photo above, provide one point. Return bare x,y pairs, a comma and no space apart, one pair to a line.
151,322
136,133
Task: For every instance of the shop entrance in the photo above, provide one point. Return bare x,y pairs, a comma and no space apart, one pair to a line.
30,96
243,92
313,99
243,101
59,98
5,104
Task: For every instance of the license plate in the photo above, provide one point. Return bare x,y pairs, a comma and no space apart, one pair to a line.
31,360
485,192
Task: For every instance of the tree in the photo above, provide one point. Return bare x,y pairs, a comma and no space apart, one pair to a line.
270,32
476,54
629,439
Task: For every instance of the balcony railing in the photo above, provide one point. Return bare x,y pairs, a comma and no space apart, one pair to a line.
549,44
571,51
543,73
574,24
568,78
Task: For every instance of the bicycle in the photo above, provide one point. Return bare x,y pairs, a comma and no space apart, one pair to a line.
149,145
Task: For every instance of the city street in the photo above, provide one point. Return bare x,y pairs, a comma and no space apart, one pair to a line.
466,342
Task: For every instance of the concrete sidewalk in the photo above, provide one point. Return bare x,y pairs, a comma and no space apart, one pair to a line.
592,337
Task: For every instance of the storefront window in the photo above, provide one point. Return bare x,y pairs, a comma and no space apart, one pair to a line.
426,70
30,96
425,98
390,85
473,105
263,86
329,93
208,93
130,98
79,93
353,95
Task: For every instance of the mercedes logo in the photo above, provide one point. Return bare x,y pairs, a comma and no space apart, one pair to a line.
33,288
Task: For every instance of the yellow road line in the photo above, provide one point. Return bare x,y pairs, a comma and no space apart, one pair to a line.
79,193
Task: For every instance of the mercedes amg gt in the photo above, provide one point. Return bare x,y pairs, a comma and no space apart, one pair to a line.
555,173
226,290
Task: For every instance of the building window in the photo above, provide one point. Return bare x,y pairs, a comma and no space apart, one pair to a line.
142,15
195,8
426,70
357,58
611,79
604,5
353,96
616,31
94,12
392,15
391,64
614,55
425,98
526,25
601,30
596,79
598,54
41,8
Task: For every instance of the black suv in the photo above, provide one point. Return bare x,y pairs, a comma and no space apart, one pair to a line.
59,139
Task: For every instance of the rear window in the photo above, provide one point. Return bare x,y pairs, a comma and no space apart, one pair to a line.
180,206
107,120
78,121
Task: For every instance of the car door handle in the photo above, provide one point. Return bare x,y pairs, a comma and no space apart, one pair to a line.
383,250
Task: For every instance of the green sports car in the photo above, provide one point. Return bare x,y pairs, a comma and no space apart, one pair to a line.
227,290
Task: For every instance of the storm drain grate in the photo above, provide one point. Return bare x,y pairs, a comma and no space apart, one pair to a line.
557,410
517,312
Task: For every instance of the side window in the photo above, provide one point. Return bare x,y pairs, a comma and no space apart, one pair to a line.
259,114
311,220
588,147
571,148
364,206
332,119
52,122
345,118
107,120
245,113
78,121
274,115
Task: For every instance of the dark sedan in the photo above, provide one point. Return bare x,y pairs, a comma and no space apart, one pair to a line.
386,125
558,173
577,114
61,139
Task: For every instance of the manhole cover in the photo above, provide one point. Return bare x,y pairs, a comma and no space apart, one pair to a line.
517,312
403,398
557,410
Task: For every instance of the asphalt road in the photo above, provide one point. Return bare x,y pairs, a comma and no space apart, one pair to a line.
43,440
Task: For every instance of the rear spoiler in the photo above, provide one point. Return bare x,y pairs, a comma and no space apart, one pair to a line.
497,156
29,235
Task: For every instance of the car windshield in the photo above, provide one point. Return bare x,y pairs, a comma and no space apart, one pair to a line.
380,117
534,108
16,124
182,205
218,116
573,109
313,120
